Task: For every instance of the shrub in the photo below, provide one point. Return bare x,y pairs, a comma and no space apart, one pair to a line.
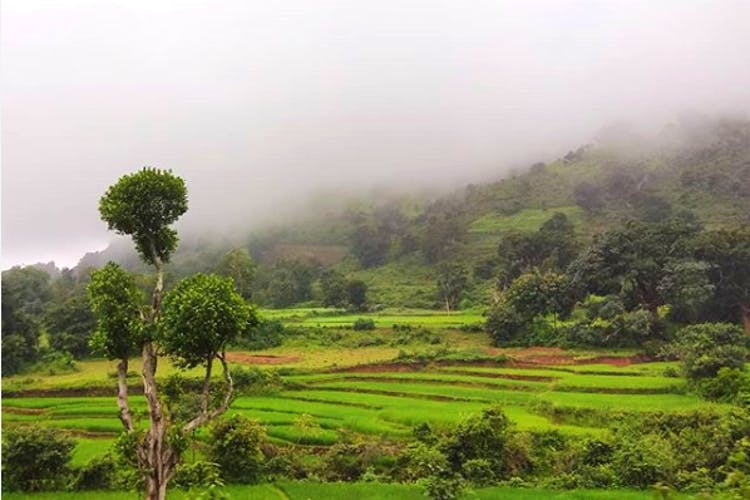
478,472
643,462
35,458
446,486
235,444
707,347
729,385
199,474
264,335
482,436
98,474
419,461
363,324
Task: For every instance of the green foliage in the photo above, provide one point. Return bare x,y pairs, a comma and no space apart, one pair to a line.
632,261
236,445
363,324
451,282
446,486
24,290
199,317
420,460
644,461
356,294
98,474
529,296
728,253
143,205
199,474
115,301
35,458
483,436
70,325
265,334
238,265
707,347
333,286
729,385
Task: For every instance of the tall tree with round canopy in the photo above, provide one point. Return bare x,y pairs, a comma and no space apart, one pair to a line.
198,319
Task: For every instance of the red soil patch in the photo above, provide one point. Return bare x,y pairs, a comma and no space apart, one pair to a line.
250,359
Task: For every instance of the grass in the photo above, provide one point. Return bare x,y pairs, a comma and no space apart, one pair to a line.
309,490
530,219
337,318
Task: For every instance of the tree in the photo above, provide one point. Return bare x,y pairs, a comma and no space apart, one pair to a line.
370,245
20,333
552,247
707,347
70,325
333,286
199,317
356,292
451,282
632,261
528,296
728,253
238,265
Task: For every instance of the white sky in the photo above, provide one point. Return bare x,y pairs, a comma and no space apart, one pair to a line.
256,103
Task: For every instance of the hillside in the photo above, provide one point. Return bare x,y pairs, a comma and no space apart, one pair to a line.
395,244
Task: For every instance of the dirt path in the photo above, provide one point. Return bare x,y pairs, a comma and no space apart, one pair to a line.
252,359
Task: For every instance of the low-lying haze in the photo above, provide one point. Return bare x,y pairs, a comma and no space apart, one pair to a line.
257,104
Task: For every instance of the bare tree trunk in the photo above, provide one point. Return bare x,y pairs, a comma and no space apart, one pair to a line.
745,313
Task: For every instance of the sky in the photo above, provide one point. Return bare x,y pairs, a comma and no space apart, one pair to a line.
259,104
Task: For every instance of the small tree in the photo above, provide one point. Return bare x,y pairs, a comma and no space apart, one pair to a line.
238,265
201,315
451,282
236,445
356,291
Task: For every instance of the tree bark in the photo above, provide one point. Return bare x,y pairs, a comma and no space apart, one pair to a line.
745,314
126,416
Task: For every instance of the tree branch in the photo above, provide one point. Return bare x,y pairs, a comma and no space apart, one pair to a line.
206,416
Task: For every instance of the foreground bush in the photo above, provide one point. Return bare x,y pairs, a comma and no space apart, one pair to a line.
35,458
235,444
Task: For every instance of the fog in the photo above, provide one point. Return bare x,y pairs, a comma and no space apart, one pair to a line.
259,104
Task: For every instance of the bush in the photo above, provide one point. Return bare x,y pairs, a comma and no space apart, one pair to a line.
643,462
363,324
264,335
35,458
199,474
235,444
706,348
478,472
446,486
729,385
418,461
483,436
98,474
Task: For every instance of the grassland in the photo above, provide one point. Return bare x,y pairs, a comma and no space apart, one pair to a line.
304,490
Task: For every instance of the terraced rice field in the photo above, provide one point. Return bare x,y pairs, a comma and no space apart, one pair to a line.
387,400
